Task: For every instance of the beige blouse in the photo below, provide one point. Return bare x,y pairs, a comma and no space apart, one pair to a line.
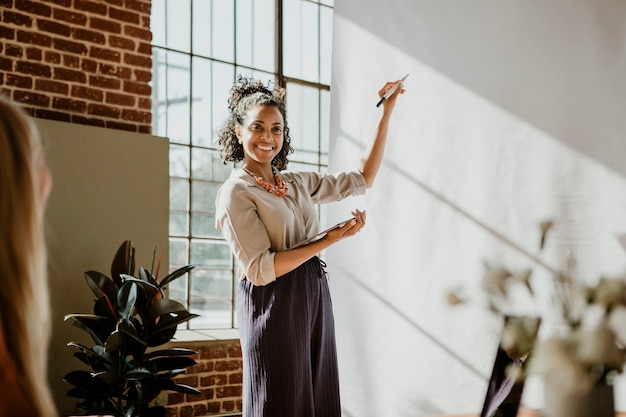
257,224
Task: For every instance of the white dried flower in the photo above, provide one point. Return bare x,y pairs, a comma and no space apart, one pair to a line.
598,347
609,293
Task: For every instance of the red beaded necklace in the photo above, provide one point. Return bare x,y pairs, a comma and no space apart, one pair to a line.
280,189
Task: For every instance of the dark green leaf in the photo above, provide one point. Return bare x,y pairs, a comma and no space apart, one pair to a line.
87,382
103,286
168,364
126,298
176,274
170,353
165,306
123,261
98,327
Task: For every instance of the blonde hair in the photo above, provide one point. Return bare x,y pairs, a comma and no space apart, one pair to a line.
24,297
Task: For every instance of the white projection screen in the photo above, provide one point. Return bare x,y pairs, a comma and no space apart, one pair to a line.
515,113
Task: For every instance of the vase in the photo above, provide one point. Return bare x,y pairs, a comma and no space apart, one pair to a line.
599,402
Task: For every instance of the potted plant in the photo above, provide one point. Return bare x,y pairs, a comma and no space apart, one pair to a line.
131,317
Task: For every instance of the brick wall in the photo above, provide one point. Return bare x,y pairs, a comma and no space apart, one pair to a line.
218,376
79,61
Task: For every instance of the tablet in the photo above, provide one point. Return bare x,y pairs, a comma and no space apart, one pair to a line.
323,233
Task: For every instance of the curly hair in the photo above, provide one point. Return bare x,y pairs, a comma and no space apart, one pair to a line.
245,94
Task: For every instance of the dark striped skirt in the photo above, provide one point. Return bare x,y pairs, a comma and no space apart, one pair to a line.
287,336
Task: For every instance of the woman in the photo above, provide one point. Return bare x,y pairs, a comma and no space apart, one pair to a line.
24,306
285,314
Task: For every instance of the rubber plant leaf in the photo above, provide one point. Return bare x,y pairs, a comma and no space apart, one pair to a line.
97,326
123,261
170,353
176,274
103,286
126,298
169,364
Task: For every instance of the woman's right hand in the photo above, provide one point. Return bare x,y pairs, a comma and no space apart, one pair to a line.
349,229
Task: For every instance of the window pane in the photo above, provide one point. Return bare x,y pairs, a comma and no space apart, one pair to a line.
301,40
255,33
177,102
210,253
201,102
325,125
304,129
179,207
178,35
179,161
223,79
179,253
157,22
326,44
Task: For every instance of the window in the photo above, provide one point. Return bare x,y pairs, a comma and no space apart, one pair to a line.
199,48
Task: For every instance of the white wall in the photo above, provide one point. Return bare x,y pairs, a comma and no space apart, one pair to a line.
513,115
109,186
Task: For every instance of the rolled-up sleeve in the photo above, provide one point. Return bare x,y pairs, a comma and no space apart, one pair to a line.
237,219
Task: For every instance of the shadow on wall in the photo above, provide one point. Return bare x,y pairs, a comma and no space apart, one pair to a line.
559,66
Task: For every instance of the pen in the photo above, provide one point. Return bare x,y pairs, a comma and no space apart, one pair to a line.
391,91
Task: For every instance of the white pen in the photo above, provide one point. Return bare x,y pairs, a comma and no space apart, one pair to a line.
391,91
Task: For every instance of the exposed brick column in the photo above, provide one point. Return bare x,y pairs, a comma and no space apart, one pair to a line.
79,61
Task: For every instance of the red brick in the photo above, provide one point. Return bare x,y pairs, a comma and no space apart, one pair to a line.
123,43
175,398
53,27
34,54
87,93
145,103
65,3
116,2
124,73
7,33
136,116
33,7
140,6
34,38
33,68
145,48
138,61
52,57
17,19
66,74
234,351
69,16
235,378
228,406
88,35
6,3
205,394
145,129
231,365
145,22
90,6
213,352
192,381
6,64
104,82
120,126
29,97
71,61
52,115
105,25
214,407
138,33
199,410
106,54
137,88
228,391
81,120
120,99
14,50
75,106
123,15
70,46
52,86
102,110
19,81
89,65
186,411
